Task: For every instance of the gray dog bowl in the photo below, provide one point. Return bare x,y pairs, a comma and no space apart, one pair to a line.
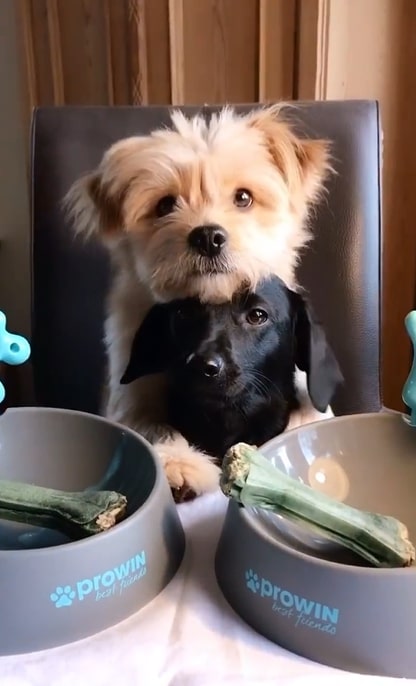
308,595
53,591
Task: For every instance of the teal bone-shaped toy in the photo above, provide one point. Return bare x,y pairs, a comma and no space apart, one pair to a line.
14,349
409,389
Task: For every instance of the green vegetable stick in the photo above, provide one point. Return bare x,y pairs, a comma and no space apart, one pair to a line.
250,479
77,515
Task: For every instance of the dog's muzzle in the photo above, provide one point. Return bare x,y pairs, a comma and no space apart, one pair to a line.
212,374
208,241
210,366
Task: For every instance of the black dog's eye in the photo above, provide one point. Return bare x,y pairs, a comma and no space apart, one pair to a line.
183,313
257,317
242,198
188,314
180,313
165,205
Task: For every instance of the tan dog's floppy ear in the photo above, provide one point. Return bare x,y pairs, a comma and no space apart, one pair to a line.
94,203
91,208
304,163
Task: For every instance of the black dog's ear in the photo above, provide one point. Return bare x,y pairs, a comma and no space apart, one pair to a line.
151,350
314,356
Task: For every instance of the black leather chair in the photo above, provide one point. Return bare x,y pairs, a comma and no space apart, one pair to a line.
341,268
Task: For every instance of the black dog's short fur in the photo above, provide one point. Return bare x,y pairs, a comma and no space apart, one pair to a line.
230,367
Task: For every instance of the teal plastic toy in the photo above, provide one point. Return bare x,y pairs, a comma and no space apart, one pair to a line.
14,349
409,389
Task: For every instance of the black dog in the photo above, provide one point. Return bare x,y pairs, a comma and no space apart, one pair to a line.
230,367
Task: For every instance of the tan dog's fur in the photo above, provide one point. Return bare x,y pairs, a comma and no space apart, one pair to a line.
202,164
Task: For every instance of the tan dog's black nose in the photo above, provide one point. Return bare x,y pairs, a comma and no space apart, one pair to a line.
208,240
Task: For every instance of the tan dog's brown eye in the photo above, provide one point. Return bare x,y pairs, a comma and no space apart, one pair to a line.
242,198
165,205
257,317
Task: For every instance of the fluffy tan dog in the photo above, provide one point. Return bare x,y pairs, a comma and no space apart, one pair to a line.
195,210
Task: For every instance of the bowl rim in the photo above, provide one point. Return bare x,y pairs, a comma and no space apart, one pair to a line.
384,413
246,514
104,536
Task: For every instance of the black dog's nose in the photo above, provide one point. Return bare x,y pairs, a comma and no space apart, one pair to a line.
208,366
208,240
213,366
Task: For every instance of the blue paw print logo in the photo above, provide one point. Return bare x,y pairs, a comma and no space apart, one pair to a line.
62,596
252,581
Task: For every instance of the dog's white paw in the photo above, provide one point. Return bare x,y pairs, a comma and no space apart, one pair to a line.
188,471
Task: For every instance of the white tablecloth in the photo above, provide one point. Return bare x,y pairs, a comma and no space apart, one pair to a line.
188,636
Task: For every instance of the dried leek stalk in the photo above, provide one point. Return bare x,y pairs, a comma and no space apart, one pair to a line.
77,515
250,479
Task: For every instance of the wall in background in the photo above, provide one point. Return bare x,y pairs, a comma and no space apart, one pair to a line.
122,52
367,49
14,196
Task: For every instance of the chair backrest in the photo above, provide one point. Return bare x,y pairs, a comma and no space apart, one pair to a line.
340,269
